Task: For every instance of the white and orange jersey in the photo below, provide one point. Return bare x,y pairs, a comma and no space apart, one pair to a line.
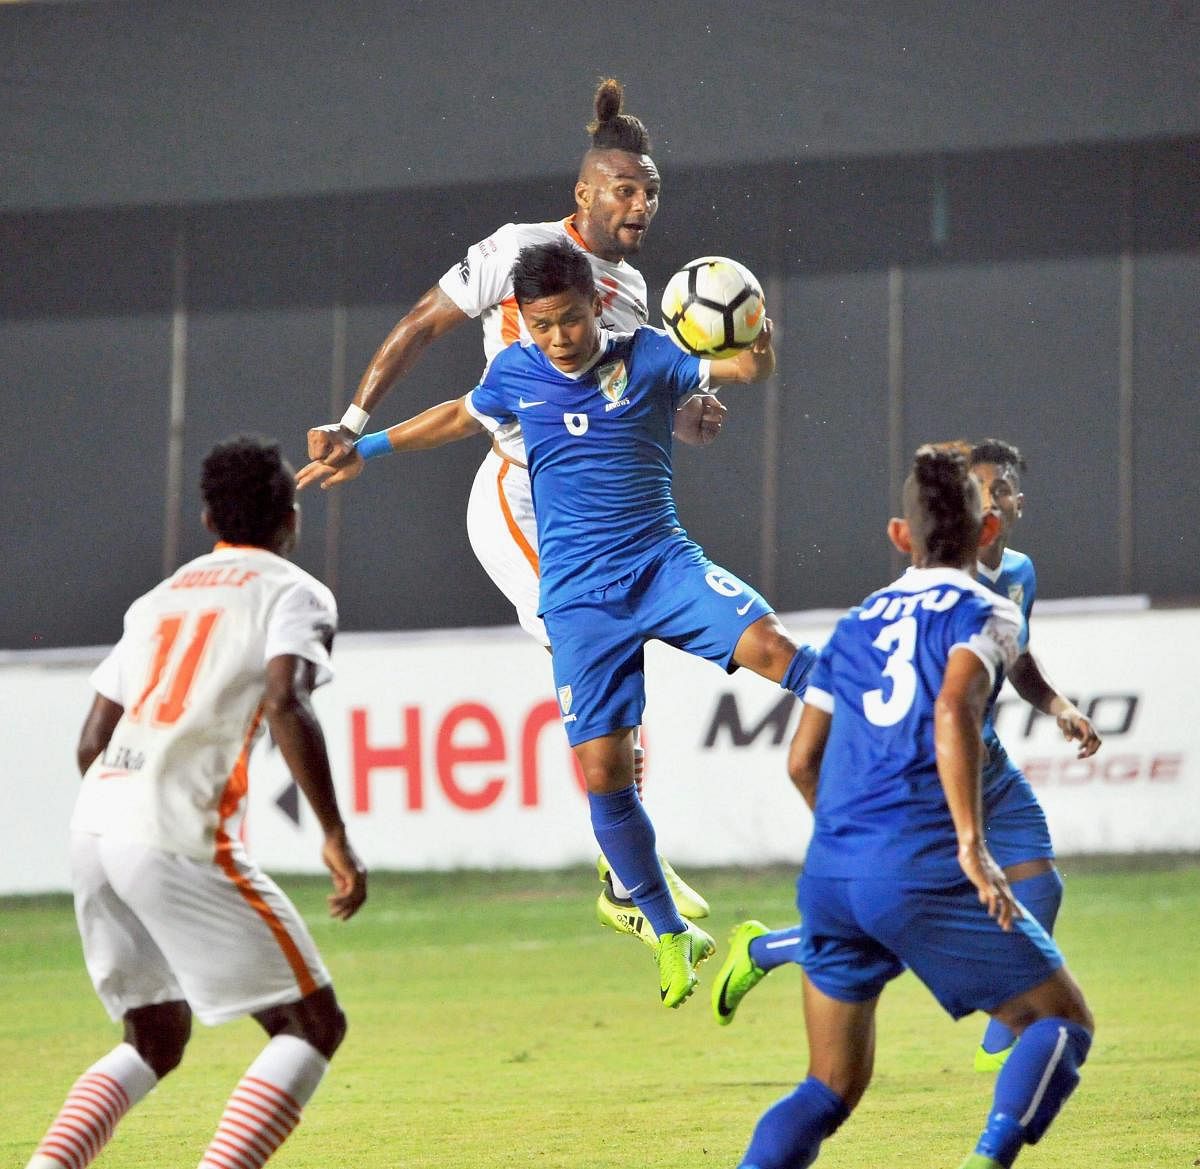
481,285
190,671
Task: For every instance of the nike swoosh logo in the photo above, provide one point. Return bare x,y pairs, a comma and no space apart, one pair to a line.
745,608
722,1006
111,774
525,405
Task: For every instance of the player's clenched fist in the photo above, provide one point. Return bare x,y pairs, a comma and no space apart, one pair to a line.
331,443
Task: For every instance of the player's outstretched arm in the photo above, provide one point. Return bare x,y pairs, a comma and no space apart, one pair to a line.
958,742
295,728
806,752
441,424
755,364
1032,684
434,314
97,729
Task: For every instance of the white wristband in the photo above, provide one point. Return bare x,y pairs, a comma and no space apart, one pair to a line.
355,419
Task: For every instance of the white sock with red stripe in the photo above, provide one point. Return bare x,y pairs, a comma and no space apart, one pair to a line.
266,1104
97,1100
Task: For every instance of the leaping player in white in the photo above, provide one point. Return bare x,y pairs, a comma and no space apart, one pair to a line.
175,918
616,197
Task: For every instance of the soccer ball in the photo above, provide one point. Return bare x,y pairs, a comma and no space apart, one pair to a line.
713,307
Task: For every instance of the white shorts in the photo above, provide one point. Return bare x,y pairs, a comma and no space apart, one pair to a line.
503,535
158,927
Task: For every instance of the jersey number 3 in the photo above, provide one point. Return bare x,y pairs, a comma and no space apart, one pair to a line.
177,669
901,638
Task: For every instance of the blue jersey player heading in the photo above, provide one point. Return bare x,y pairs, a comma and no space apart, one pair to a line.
898,875
598,441
617,569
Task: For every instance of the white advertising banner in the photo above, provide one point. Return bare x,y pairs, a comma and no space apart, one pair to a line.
448,753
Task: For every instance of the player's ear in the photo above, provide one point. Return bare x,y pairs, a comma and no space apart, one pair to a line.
583,194
989,530
597,304
900,536
1020,504
207,520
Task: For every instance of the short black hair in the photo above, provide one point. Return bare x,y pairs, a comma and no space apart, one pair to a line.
941,503
248,488
613,130
548,269
995,450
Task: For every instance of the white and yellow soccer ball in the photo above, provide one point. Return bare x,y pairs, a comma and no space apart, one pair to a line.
713,307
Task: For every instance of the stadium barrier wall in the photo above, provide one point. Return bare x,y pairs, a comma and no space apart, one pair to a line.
448,754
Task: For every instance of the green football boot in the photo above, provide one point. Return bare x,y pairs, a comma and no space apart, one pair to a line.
678,957
990,1061
621,914
740,974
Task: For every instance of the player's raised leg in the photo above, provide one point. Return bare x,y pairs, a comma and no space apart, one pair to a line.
627,838
502,528
615,907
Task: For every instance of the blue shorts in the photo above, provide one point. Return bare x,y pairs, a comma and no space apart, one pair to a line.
858,934
597,639
1014,824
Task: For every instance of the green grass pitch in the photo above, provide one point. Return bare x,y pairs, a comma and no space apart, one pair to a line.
494,1023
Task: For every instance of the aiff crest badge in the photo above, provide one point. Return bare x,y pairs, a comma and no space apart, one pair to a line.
613,379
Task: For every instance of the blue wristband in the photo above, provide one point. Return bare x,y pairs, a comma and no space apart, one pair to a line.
371,446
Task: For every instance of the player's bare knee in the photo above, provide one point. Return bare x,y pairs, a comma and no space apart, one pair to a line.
1080,1012
766,648
329,1031
317,1018
160,1033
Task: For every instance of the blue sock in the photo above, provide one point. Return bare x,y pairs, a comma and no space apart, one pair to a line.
1041,895
789,1134
626,837
1033,1085
795,677
777,948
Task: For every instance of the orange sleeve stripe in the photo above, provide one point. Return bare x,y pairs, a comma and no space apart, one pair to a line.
510,320
235,789
514,528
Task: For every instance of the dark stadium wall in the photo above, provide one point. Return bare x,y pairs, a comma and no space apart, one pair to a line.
1026,268
167,101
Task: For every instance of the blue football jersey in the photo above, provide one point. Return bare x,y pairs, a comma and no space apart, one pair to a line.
1016,580
599,449
880,809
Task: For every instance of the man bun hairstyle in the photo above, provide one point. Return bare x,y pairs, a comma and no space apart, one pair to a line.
548,269
613,130
248,490
941,503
